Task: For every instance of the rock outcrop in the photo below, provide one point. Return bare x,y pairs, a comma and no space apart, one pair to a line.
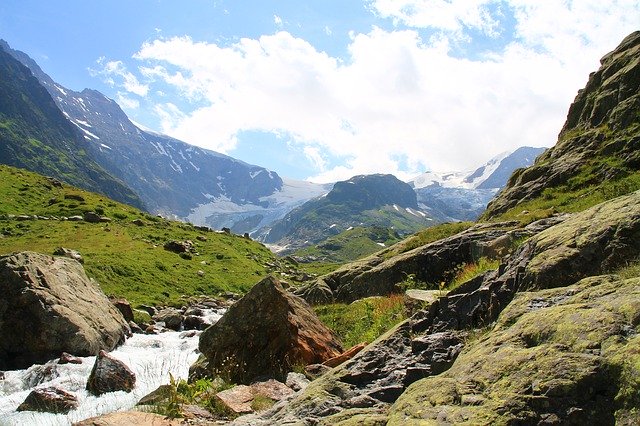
430,342
561,356
110,375
600,140
49,306
265,334
431,264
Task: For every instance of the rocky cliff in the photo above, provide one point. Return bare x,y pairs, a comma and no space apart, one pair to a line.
597,155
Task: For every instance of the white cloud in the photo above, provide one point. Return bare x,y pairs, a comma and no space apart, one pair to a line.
127,102
277,20
449,15
399,103
117,69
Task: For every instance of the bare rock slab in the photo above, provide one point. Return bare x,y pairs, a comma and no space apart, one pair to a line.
49,400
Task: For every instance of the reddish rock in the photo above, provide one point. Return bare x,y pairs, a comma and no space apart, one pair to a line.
110,375
49,400
239,398
266,334
124,307
67,358
128,418
335,361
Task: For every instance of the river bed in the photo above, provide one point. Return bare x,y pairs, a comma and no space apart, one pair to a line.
151,357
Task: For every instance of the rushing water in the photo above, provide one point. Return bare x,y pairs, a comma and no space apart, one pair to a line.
150,357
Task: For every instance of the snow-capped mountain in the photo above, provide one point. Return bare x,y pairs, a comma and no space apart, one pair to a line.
465,195
172,177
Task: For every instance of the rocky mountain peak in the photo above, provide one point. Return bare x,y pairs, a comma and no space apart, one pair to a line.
612,93
600,141
371,191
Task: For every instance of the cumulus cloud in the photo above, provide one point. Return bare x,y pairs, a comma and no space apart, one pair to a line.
399,103
116,70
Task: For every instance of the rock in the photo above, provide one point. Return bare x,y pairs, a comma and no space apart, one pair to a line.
265,334
49,400
110,375
162,393
313,371
171,317
124,307
38,374
49,306
66,358
91,217
598,139
377,276
135,328
551,354
75,219
192,322
345,356
71,254
179,246
138,222
296,381
239,398
128,418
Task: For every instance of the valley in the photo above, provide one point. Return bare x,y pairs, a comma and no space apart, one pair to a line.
505,295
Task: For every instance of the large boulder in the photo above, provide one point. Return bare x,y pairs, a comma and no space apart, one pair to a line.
266,334
110,375
49,306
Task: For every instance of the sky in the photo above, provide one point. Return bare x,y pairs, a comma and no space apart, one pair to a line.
323,90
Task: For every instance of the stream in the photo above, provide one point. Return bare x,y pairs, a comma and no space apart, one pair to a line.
151,357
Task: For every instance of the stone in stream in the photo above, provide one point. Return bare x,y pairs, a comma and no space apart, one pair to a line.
110,375
49,400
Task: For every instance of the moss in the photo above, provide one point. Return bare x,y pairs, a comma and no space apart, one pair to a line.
549,351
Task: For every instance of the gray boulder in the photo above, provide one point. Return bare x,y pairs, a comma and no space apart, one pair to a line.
49,306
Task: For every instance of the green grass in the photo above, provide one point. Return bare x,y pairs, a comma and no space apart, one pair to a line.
428,235
351,245
470,271
363,320
125,259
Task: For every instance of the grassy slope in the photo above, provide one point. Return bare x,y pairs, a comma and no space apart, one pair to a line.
351,245
125,259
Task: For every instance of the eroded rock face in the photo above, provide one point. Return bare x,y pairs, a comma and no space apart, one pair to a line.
601,129
110,375
265,334
565,356
431,341
49,306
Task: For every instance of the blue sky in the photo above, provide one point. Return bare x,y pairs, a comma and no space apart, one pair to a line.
324,90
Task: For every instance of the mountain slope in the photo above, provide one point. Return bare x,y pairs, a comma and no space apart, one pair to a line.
35,135
597,156
372,200
172,177
126,255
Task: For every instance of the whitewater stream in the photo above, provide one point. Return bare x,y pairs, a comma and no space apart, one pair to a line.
150,357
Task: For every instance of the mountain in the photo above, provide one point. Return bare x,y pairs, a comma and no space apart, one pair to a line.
597,156
35,135
173,178
371,200
464,195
